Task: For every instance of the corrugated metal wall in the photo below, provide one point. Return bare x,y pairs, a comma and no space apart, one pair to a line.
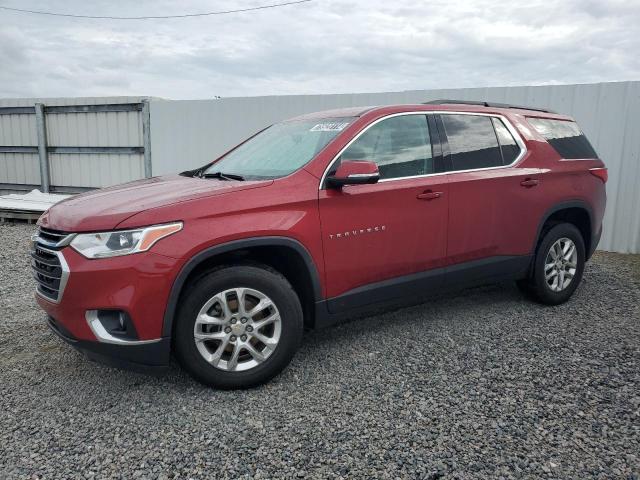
188,133
104,129
18,130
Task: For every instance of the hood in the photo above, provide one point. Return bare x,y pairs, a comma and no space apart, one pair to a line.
104,209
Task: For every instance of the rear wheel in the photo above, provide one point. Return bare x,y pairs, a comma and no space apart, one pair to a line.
238,327
558,265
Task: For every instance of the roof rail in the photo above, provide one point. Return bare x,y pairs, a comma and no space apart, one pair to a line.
485,104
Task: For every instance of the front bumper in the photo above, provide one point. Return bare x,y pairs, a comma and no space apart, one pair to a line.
147,358
137,284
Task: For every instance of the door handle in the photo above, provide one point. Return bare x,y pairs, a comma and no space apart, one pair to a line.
429,195
529,182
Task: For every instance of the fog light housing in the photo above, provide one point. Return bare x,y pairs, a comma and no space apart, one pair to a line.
112,326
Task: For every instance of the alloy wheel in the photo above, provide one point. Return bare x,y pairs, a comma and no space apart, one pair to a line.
237,329
560,264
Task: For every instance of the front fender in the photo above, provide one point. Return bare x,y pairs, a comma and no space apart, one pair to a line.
207,253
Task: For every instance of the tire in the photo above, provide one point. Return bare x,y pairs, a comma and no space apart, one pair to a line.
551,291
215,292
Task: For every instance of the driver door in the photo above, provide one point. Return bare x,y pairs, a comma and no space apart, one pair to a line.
382,241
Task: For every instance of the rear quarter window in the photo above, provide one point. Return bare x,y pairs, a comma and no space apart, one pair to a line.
565,137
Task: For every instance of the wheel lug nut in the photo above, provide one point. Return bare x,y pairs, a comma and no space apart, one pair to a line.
243,338
233,338
227,330
249,328
243,320
234,320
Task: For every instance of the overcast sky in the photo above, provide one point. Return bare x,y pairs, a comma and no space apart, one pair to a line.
323,46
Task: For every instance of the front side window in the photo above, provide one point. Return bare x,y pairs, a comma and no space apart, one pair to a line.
281,149
565,137
400,146
472,141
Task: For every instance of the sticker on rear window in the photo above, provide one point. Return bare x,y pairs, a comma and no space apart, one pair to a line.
329,127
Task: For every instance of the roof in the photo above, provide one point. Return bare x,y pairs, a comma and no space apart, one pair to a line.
437,105
486,104
471,107
335,113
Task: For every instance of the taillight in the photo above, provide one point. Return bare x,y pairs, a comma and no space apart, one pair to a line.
601,173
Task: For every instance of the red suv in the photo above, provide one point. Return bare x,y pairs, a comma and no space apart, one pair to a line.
312,220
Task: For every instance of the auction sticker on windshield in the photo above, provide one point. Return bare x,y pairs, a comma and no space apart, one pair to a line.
329,127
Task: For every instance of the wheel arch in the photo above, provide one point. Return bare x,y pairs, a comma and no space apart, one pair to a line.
298,267
576,212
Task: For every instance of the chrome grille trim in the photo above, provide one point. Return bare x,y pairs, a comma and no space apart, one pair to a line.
52,238
49,267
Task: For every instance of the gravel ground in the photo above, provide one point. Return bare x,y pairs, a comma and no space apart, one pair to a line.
479,385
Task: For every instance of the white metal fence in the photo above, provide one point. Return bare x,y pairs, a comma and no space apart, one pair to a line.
188,133
72,144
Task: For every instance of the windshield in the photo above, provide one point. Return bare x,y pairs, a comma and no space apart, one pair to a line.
280,149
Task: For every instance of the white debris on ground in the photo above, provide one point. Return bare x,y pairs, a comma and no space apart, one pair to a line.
35,201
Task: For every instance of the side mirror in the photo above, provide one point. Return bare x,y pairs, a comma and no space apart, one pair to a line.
354,172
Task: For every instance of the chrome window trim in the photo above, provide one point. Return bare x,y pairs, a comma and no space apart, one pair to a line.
64,275
514,132
103,336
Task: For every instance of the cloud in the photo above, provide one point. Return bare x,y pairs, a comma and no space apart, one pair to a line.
324,46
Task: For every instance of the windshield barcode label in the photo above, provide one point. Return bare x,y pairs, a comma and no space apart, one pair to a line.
329,127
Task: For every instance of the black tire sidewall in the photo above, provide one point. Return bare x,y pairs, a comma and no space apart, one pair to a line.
542,290
272,284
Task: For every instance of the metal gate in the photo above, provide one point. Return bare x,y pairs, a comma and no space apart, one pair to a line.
71,148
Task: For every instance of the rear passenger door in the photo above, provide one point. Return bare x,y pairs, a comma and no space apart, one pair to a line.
492,189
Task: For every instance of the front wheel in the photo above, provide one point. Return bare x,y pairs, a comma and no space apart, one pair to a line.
238,327
558,265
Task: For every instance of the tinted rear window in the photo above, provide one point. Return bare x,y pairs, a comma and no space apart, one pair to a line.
565,137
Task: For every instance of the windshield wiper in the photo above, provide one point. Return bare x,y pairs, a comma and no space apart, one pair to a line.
222,176
192,173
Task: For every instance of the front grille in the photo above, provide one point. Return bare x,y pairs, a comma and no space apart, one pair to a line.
47,262
51,236
47,270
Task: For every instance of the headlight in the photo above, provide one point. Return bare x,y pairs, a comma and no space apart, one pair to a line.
121,242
